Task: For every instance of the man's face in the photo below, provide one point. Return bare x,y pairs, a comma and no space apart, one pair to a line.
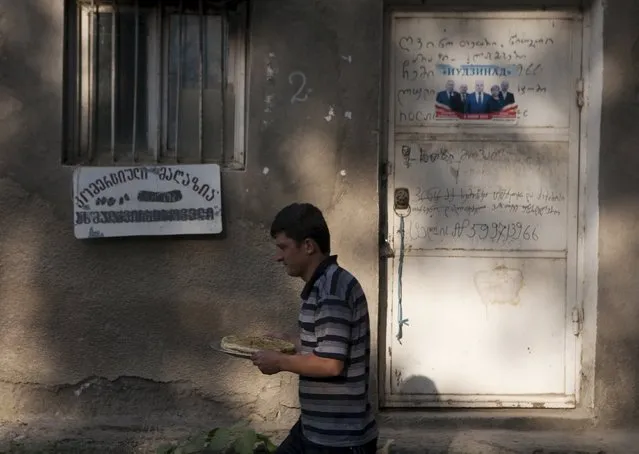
504,86
463,88
450,86
294,257
479,87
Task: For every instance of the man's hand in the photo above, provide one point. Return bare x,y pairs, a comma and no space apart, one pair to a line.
268,361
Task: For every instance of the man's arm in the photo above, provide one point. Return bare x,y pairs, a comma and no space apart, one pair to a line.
311,365
332,330
271,362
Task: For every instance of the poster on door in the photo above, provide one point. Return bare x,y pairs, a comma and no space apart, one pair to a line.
454,103
482,71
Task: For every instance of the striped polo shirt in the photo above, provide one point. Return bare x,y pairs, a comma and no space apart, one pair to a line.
334,323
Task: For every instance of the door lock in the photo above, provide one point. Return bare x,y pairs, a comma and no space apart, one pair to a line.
402,199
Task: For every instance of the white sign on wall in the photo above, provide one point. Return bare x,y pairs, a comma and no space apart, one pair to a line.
147,200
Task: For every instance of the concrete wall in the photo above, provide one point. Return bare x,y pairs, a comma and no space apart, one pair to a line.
617,372
121,327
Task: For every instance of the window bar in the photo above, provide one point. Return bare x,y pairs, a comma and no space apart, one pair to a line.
165,84
201,76
114,20
79,102
160,55
223,62
179,79
94,24
136,63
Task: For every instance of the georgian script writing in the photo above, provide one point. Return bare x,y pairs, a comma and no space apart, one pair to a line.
454,202
495,232
481,194
124,176
139,216
440,62
416,43
484,159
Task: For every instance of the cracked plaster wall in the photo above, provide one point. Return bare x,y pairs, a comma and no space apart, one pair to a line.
123,326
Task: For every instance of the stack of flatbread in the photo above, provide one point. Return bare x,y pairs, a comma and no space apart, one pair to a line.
247,345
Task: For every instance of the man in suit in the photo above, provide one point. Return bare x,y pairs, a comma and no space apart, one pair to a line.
463,97
449,97
504,95
478,102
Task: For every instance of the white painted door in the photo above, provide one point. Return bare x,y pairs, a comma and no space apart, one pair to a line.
483,258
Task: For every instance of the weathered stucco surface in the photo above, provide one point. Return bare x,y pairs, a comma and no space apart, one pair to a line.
139,314
121,327
617,372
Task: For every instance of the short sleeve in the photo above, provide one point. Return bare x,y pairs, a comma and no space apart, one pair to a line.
333,319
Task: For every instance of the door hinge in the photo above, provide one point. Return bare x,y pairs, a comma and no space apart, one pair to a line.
580,93
577,320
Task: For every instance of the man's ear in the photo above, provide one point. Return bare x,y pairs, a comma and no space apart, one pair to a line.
309,246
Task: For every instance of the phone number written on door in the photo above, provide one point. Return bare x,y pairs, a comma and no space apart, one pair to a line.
496,232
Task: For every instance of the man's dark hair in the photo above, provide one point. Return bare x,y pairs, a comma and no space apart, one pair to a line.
300,221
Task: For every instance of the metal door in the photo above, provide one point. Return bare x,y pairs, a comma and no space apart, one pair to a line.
483,209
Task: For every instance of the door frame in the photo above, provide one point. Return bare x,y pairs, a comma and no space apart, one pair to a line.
586,272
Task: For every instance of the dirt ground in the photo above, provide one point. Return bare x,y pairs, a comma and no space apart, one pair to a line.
122,437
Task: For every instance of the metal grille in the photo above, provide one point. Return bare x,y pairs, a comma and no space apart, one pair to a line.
156,82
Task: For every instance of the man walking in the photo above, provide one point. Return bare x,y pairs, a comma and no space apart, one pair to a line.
333,357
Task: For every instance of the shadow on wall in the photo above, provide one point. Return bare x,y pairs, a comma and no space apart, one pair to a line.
86,320
420,385
83,322
121,328
617,368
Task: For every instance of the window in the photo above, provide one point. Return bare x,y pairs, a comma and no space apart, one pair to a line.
155,81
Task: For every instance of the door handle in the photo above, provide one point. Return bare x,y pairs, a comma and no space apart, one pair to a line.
402,199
